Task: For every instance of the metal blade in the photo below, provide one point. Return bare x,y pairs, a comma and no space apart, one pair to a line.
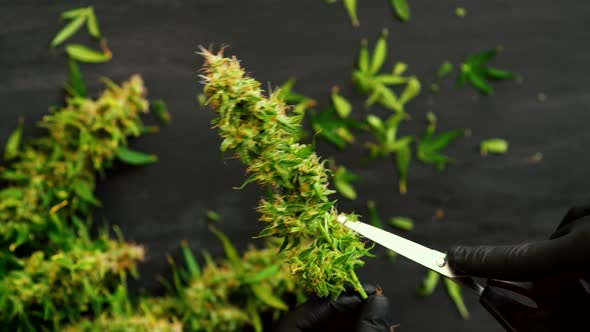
432,259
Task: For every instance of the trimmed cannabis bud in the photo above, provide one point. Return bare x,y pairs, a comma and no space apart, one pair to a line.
322,254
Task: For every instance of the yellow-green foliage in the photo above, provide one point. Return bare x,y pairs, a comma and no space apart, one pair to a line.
52,271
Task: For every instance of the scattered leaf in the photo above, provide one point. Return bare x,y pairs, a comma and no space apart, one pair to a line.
92,24
429,283
84,54
493,145
454,292
475,70
161,111
78,88
379,53
343,182
445,68
341,105
402,223
351,6
403,157
67,31
133,157
460,12
411,91
373,216
429,148
213,216
363,59
402,10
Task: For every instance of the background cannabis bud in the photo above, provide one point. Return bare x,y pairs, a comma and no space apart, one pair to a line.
321,253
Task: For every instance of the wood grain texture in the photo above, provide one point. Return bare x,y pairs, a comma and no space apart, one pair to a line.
492,200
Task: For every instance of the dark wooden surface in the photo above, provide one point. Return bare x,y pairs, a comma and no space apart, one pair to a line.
493,200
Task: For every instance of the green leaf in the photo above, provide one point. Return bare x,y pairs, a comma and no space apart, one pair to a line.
454,292
84,54
254,317
429,283
373,216
263,274
402,223
191,263
329,126
350,6
230,250
493,145
412,90
363,59
375,122
342,182
388,99
460,12
92,24
443,140
445,68
430,146
403,157
161,111
133,157
402,10
481,58
480,83
82,189
83,11
399,68
76,81
379,53
67,31
213,216
431,118
391,79
341,105
265,295
11,149
499,74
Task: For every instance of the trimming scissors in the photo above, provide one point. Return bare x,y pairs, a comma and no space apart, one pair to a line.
509,312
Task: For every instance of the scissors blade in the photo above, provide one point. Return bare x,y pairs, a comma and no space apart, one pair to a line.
432,259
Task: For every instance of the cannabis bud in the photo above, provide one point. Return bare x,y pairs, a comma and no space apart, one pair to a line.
321,253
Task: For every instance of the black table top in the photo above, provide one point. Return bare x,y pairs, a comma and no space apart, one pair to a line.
492,200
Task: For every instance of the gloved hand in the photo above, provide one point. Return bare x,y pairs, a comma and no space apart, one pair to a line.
558,270
349,312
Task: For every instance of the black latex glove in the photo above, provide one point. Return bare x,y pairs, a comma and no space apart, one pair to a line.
558,270
566,252
349,312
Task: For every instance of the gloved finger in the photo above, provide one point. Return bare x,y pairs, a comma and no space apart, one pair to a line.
551,321
573,219
523,262
375,315
316,312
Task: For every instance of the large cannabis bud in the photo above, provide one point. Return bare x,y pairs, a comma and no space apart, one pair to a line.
322,254
224,295
52,270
